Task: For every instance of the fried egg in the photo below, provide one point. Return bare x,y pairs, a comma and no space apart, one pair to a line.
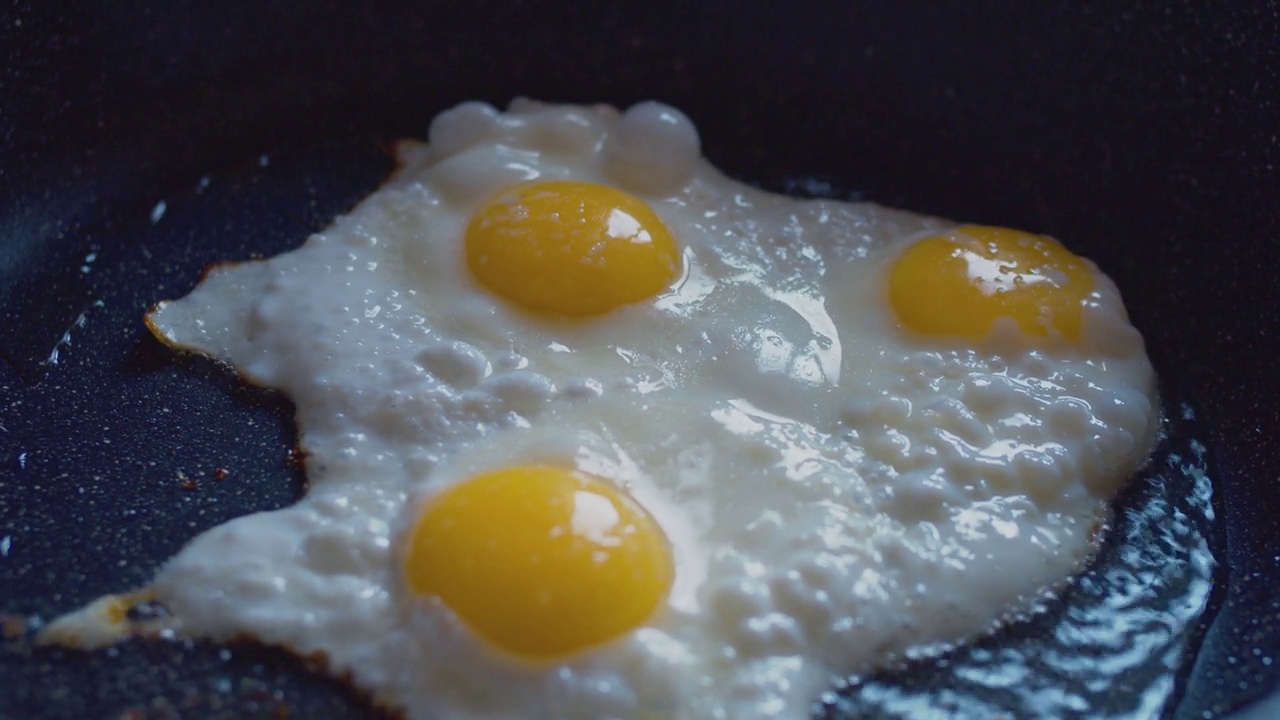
594,431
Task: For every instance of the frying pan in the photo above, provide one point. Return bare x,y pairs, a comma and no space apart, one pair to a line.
140,142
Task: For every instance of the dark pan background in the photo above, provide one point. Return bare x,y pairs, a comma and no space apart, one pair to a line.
1145,135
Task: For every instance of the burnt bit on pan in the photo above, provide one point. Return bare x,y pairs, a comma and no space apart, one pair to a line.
296,459
14,630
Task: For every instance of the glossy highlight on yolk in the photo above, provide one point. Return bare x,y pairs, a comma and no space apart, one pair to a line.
570,247
542,561
958,283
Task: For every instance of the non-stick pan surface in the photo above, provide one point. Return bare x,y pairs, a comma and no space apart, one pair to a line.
140,142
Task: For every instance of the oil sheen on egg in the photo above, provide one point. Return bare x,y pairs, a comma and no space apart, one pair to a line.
593,431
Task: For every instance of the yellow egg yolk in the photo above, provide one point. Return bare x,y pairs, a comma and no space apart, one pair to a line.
576,248
958,283
542,561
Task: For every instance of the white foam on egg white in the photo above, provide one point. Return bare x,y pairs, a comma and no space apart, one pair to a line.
837,491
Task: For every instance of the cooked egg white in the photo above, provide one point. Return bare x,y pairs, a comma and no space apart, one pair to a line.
594,431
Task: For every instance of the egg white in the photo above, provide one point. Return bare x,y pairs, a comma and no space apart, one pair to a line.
837,490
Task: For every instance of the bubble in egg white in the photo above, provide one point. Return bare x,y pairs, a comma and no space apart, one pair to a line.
836,491
652,149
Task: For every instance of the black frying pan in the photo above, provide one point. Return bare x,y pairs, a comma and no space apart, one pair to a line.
141,142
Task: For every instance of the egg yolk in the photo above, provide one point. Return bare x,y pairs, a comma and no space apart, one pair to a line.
958,283
571,247
542,561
